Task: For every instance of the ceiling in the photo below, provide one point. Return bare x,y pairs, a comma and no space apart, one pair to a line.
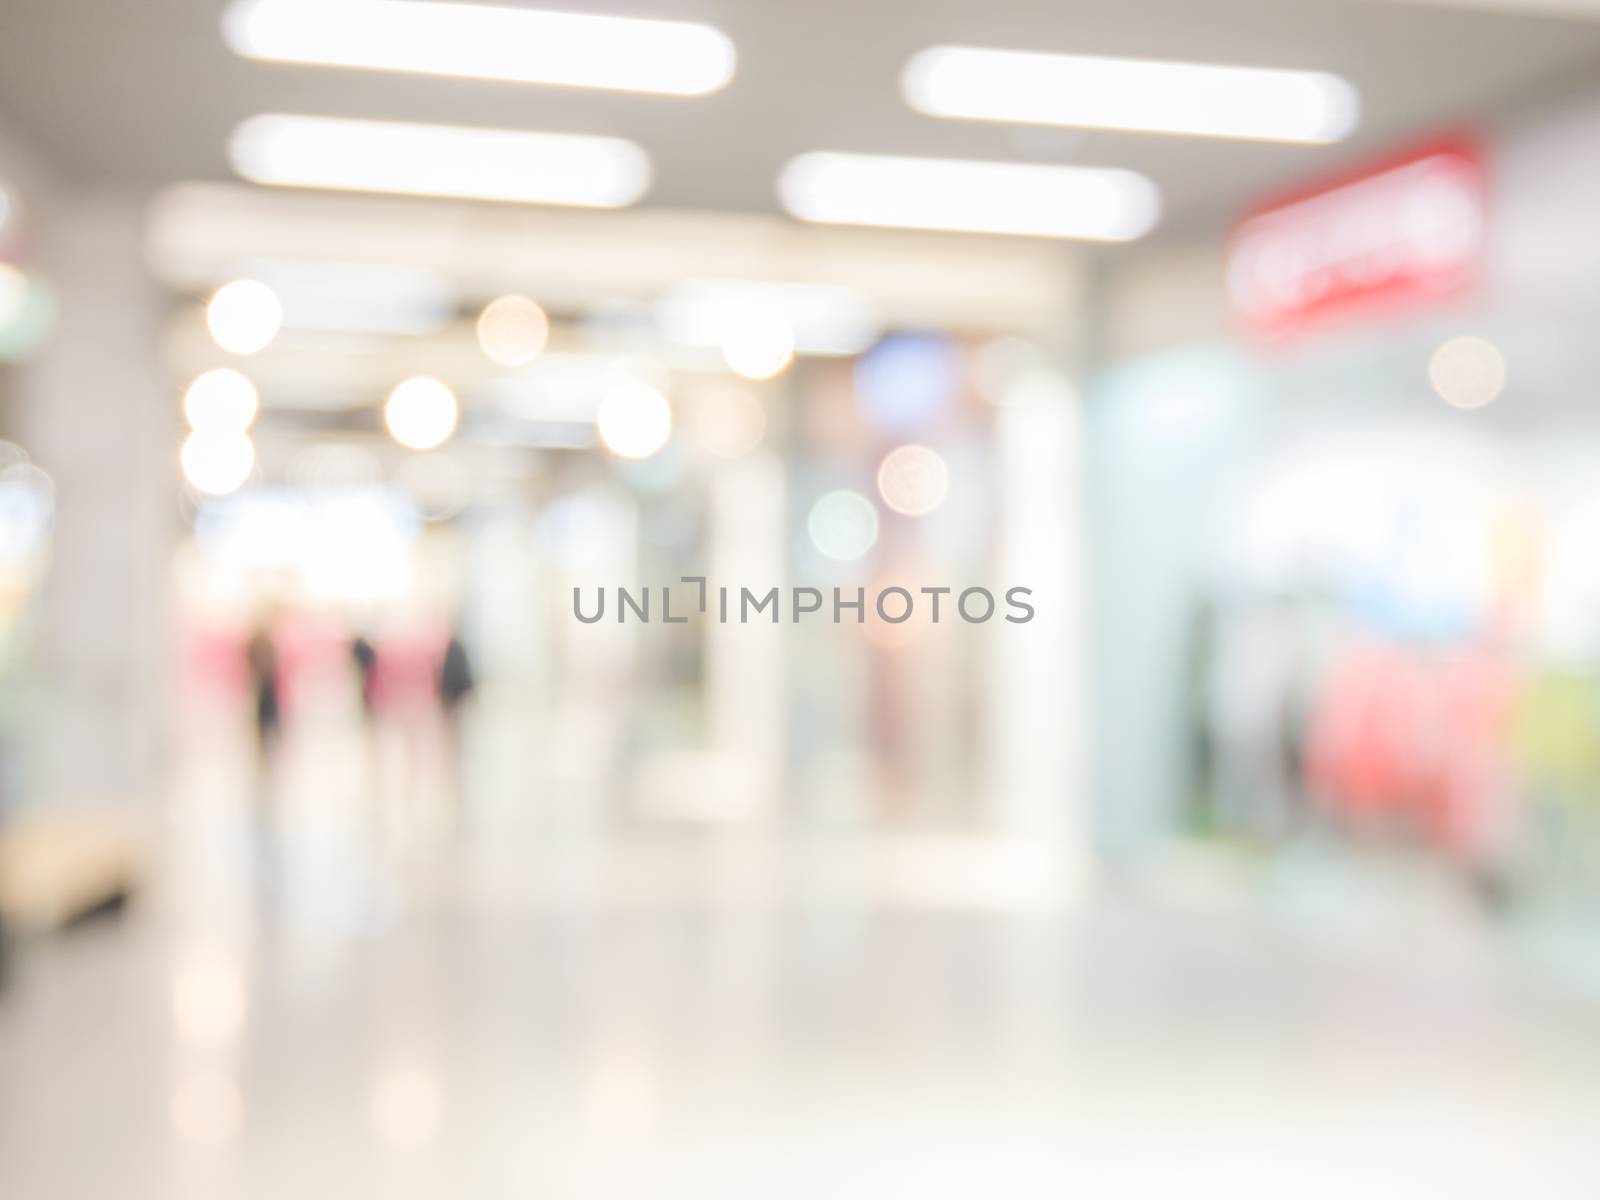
143,92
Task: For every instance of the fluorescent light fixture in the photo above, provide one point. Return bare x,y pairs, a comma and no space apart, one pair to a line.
825,318
439,160
1135,94
476,41
1093,203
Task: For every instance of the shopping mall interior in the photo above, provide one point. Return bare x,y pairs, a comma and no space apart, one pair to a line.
723,599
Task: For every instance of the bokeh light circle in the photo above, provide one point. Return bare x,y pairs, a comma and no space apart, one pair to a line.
513,330
220,401
758,346
217,463
244,316
1467,372
908,382
913,480
634,420
421,413
843,525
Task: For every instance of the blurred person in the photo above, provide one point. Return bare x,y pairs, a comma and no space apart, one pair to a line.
1202,815
456,684
364,658
266,687
264,665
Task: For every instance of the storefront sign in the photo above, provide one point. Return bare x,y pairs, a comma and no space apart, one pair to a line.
1404,233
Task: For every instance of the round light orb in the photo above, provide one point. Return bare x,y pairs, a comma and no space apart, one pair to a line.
244,316
634,420
843,525
220,401
1467,372
760,346
913,480
217,463
908,382
513,330
421,413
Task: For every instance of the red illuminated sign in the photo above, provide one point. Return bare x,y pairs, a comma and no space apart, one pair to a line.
1405,232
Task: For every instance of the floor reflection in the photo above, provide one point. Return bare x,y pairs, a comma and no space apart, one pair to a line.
678,1013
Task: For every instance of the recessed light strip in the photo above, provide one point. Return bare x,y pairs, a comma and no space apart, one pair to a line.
1092,203
1141,95
477,41
439,160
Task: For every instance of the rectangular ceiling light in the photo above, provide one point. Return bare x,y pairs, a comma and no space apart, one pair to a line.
1093,203
521,45
1140,95
439,160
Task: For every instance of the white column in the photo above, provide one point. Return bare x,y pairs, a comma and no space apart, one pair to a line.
744,669
97,413
1038,672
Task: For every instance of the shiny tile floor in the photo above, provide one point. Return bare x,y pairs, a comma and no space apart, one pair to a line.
308,1010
